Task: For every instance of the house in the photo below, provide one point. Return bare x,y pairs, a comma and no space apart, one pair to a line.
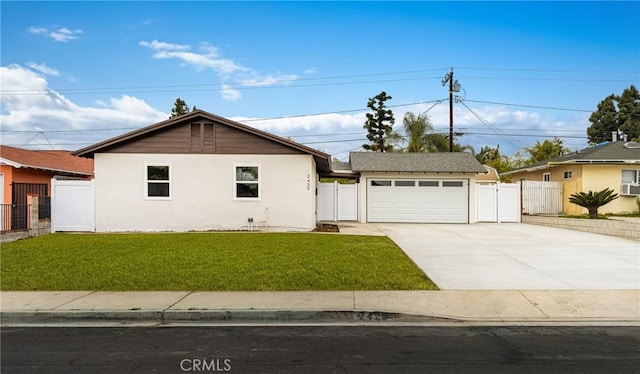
199,172
416,187
614,165
26,172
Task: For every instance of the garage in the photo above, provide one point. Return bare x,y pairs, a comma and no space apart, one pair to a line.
418,200
416,187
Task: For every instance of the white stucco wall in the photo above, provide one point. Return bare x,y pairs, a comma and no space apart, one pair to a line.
202,193
366,176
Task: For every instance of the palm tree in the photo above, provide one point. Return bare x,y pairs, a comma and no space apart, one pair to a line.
415,129
420,136
593,200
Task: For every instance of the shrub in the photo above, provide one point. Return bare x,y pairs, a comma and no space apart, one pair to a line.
593,200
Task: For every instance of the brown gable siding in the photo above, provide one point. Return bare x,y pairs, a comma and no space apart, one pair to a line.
234,141
169,140
203,137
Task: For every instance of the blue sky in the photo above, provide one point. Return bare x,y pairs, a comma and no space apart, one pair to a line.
76,73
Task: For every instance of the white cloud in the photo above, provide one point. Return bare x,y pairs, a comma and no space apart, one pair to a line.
229,93
269,80
62,34
310,70
164,46
208,57
44,69
29,104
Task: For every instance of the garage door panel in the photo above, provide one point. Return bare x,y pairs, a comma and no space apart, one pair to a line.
425,201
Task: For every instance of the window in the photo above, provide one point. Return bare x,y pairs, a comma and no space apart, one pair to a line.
429,183
247,182
567,174
452,184
380,183
631,176
405,183
158,182
546,177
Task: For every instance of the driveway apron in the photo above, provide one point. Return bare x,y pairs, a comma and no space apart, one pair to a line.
514,256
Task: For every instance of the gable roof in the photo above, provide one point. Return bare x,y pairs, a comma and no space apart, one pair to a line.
452,162
606,153
323,160
54,161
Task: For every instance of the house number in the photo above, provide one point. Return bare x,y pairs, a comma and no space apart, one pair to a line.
308,182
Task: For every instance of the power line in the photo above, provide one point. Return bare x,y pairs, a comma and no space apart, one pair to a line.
485,122
530,106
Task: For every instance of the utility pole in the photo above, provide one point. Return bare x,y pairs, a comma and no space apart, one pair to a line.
453,87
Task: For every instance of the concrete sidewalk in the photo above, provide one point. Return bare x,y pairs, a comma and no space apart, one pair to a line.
176,307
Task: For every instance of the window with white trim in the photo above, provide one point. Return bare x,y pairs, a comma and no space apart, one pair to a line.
567,174
546,177
247,182
631,176
158,182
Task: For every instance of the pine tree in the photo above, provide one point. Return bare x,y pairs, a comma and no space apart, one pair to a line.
379,124
616,113
180,107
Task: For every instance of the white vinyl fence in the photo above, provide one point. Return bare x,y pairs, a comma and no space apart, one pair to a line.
72,205
499,202
337,202
541,197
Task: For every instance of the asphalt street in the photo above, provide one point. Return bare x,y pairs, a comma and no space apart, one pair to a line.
321,349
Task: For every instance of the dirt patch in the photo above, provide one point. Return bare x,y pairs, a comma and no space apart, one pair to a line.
326,227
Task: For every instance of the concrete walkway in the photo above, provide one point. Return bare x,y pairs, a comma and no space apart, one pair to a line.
176,307
512,256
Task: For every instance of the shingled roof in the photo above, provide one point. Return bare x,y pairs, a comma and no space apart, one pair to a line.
62,162
607,153
454,162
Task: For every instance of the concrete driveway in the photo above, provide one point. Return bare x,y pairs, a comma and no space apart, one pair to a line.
513,256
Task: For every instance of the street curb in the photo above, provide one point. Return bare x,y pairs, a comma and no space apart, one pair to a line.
168,316
205,315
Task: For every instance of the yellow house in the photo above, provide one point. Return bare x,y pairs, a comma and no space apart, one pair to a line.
614,165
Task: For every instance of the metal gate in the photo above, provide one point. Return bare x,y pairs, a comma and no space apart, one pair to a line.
19,198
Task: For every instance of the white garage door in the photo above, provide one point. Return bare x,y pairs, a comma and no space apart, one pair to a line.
418,200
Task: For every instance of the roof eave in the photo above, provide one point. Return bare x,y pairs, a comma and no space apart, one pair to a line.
320,157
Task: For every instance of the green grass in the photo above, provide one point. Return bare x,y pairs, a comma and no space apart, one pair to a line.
207,261
584,216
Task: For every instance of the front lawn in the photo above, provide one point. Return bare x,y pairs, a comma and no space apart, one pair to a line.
207,262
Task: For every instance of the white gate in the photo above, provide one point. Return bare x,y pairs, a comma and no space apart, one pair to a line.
541,197
498,202
72,205
337,202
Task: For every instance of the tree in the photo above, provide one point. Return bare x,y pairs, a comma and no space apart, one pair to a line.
180,107
379,124
629,112
616,113
593,200
546,150
491,157
416,128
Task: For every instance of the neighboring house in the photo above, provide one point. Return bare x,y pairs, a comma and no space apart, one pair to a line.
26,172
200,171
491,177
614,165
416,187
